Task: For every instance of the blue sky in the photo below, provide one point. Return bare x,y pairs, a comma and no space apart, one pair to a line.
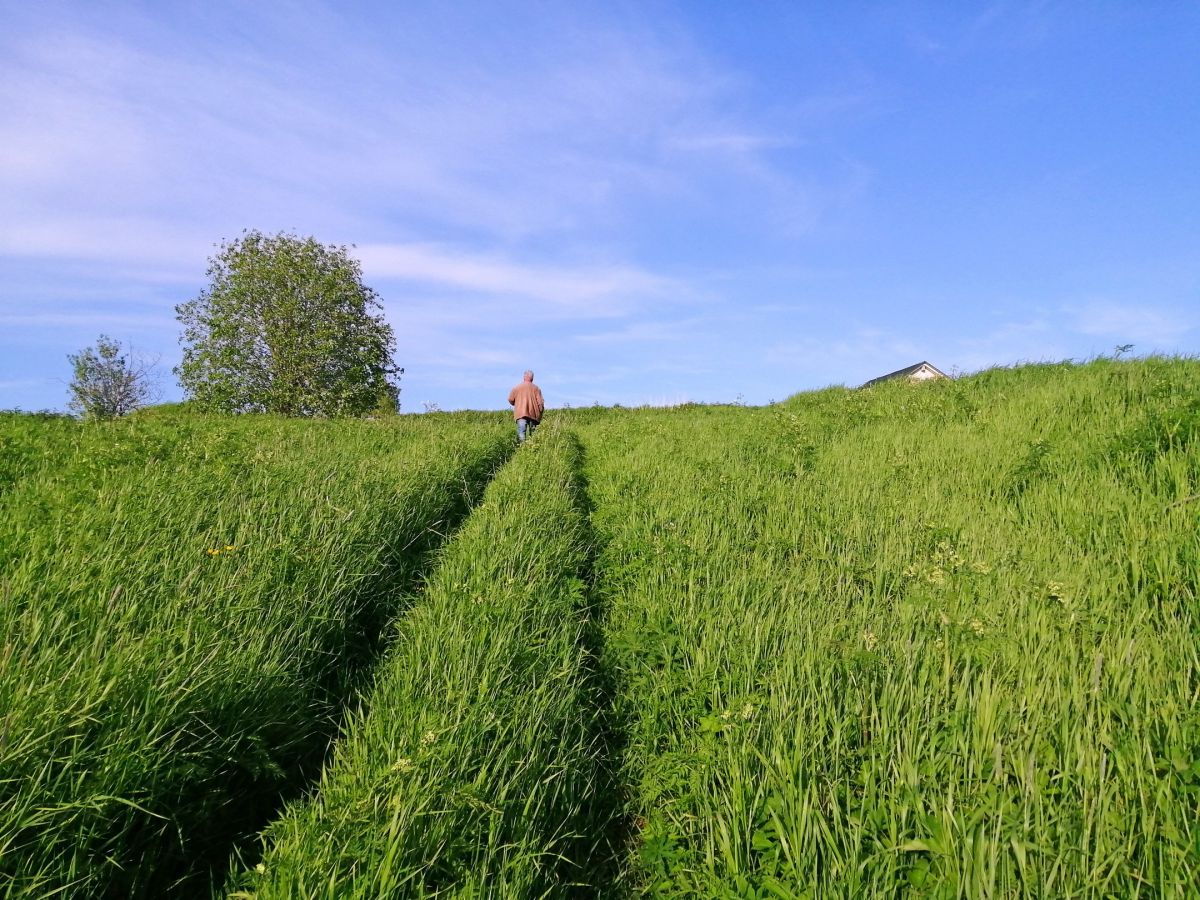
644,202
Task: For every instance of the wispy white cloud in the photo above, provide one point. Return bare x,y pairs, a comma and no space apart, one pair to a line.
1036,336
864,353
644,331
594,290
1049,333
144,241
1010,25
458,356
92,319
13,383
1133,322
735,143
854,357
107,135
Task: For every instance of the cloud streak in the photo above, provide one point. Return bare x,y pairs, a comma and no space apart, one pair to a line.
593,290
93,319
1135,323
504,144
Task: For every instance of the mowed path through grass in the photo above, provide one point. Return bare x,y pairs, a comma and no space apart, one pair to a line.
476,766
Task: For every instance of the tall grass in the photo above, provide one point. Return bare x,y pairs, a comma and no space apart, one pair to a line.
925,641
29,442
184,603
922,641
472,771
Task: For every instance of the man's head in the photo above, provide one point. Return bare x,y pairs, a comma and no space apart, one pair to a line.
529,374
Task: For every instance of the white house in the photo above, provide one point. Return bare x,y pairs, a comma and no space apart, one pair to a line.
922,371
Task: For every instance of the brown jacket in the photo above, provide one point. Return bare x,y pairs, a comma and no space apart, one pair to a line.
526,400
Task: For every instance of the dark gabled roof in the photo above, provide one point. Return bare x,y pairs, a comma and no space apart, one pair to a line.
905,372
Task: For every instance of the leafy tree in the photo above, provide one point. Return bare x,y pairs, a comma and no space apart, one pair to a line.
287,326
108,381
389,402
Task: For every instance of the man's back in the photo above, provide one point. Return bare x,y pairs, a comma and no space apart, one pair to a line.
526,400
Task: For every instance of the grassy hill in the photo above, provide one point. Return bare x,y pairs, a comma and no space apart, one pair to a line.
933,640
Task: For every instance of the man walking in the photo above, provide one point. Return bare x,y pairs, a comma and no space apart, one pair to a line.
528,406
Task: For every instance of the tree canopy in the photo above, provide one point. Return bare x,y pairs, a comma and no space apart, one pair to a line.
108,381
286,325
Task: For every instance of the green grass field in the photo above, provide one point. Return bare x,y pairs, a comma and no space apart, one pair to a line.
935,640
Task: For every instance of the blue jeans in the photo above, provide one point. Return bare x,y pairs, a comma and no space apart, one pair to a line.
525,428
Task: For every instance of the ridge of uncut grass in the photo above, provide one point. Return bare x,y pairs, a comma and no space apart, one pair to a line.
471,771
928,641
182,605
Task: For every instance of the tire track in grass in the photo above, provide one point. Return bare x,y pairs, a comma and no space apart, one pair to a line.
609,830
398,585
172,713
475,767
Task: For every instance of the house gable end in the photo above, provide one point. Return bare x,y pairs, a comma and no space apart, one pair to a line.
922,371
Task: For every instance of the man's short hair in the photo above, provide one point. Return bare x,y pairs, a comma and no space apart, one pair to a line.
529,373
